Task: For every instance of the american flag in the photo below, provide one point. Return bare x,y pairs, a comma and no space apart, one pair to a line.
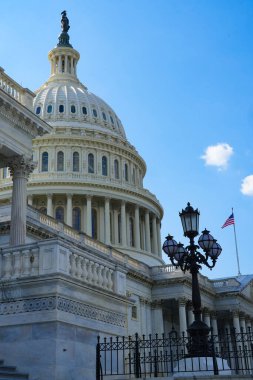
230,220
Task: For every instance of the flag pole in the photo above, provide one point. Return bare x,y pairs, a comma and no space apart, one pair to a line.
236,248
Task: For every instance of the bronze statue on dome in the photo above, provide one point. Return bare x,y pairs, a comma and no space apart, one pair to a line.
64,22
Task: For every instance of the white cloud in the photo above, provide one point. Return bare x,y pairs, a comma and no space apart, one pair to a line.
218,155
247,185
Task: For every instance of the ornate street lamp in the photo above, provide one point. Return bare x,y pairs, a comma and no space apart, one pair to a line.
190,259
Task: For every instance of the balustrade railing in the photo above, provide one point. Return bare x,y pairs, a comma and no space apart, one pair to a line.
12,88
153,356
91,272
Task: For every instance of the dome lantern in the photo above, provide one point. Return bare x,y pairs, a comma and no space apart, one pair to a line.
63,58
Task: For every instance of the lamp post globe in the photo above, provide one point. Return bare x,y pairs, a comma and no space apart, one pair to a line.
191,259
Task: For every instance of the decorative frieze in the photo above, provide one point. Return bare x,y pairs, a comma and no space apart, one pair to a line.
65,305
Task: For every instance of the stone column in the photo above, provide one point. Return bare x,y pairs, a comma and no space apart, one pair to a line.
157,318
182,316
154,236
248,325
206,317
243,323
116,226
107,222
147,231
236,321
60,64
20,168
123,223
102,222
137,227
66,64
30,199
50,205
159,246
190,315
69,210
88,215
215,331
143,316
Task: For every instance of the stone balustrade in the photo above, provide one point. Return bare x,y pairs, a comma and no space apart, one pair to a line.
12,88
91,272
46,258
19,262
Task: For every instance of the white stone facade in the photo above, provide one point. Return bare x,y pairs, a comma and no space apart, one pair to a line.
84,257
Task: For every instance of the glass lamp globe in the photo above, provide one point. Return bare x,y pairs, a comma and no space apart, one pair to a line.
180,252
215,251
206,240
170,246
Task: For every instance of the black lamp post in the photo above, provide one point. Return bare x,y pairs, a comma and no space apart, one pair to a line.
190,259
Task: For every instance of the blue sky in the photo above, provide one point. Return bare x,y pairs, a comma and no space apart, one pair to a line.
179,74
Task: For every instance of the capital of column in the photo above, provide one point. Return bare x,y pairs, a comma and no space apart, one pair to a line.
206,311
182,301
21,166
236,313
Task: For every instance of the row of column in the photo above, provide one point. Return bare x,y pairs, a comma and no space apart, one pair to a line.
63,63
240,321
146,231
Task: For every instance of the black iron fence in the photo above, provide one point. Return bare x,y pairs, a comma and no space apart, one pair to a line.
153,356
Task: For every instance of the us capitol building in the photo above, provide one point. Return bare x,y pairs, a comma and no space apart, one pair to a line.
80,235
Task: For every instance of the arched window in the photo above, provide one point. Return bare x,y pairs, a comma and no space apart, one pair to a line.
73,109
60,161
44,162
94,224
112,121
76,218
49,108
104,116
95,114
104,166
126,172
75,162
61,108
43,210
131,232
84,110
38,110
90,163
116,169
59,214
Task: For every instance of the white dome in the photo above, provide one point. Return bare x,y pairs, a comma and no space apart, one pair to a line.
63,101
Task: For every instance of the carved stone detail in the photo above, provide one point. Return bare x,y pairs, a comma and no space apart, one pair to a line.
63,304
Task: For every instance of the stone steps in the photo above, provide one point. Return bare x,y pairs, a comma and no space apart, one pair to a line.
10,373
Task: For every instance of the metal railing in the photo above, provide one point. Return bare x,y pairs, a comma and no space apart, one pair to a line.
141,356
